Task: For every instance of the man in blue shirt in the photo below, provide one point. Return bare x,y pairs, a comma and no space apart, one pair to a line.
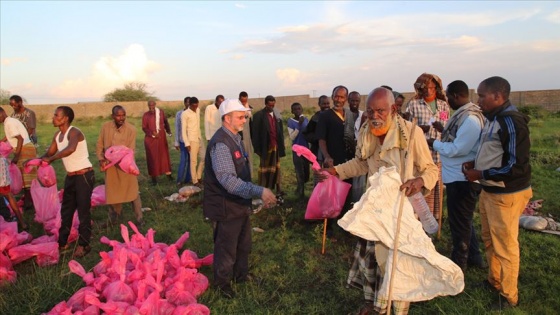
296,125
459,144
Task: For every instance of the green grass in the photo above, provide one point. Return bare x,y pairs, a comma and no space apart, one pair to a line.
297,278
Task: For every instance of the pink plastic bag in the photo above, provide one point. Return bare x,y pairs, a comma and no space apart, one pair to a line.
5,149
7,273
45,172
98,196
47,206
47,251
16,180
327,199
124,157
306,153
128,165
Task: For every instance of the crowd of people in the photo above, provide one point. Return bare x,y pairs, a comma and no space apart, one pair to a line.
478,153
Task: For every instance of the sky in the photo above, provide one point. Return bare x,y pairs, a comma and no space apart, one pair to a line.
76,51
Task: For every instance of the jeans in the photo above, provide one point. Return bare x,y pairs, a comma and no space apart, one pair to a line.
184,172
77,196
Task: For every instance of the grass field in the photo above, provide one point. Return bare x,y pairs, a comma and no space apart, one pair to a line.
297,278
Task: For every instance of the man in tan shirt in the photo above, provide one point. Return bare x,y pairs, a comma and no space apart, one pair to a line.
190,129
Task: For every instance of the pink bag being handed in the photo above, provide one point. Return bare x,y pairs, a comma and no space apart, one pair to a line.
47,204
327,199
15,178
98,196
45,172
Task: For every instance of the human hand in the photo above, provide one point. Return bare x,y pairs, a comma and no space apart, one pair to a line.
438,126
15,159
189,148
329,162
268,198
176,147
320,174
46,159
301,120
472,174
412,186
103,163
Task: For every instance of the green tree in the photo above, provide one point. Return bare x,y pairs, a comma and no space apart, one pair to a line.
4,97
134,91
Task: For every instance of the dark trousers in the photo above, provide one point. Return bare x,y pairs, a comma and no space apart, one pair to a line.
232,245
461,202
301,168
77,196
184,171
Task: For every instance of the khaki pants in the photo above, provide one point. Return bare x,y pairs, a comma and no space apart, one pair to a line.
197,154
499,217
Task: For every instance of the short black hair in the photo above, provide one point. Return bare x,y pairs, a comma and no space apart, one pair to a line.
219,96
243,94
498,85
340,87
387,87
116,108
294,105
194,100
186,99
68,112
16,98
458,87
320,98
269,98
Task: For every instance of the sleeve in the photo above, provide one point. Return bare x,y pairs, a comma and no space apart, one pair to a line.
132,138
257,131
207,121
423,163
99,149
321,131
166,123
223,167
292,131
184,126
354,167
32,121
146,126
465,140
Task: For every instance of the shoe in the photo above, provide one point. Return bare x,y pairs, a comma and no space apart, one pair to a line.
250,278
154,181
81,251
486,285
502,304
226,292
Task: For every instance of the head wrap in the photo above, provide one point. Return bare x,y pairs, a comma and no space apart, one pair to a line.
422,82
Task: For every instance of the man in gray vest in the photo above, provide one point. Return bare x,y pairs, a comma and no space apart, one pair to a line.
459,142
227,198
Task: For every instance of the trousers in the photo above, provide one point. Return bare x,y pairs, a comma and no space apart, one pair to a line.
76,197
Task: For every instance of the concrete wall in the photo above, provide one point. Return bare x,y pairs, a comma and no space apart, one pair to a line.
548,99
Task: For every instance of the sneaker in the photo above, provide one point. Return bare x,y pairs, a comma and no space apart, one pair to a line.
81,251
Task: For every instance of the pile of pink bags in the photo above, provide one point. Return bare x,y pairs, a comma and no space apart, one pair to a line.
123,157
16,181
140,276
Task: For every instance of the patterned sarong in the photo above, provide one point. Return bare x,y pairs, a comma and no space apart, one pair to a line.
269,169
28,151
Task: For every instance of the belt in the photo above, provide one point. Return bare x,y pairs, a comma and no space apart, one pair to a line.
80,172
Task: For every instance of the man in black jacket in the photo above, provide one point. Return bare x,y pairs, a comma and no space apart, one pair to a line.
503,169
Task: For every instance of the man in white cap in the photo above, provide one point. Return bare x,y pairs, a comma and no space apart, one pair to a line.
227,198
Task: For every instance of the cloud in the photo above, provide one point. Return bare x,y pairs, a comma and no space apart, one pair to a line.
373,34
11,61
554,17
289,75
237,57
109,73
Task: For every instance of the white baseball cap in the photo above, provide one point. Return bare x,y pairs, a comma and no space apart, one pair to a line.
232,105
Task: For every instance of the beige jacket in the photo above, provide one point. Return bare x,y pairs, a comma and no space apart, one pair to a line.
371,155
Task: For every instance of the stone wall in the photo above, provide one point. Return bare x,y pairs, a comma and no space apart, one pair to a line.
548,99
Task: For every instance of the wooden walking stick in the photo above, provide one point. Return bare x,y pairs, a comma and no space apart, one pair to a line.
324,236
404,160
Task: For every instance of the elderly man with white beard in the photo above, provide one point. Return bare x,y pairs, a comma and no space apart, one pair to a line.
382,139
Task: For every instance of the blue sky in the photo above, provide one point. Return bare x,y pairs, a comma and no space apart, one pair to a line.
66,52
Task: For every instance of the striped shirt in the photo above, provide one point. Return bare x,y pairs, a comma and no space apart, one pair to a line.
222,164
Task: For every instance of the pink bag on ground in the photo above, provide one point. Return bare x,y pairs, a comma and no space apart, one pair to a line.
327,199
47,204
15,178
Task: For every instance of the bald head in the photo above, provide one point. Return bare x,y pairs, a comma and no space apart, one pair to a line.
380,110
382,93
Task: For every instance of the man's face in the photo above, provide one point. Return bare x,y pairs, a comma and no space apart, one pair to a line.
243,100
236,120
487,100
58,118
354,102
16,105
339,98
270,105
324,103
119,117
219,102
152,106
297,110
187,103
380,113
451,100
193,106
399,103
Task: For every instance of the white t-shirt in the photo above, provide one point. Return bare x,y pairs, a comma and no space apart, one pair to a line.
14,128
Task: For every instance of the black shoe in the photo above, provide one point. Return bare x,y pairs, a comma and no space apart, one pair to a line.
154,181
227,292
502,304
250,278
